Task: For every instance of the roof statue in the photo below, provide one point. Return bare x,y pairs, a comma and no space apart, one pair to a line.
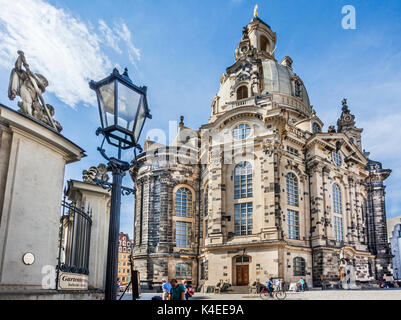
29,87
255,11
95,173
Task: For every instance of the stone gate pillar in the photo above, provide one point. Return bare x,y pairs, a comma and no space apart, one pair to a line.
32,164
98,199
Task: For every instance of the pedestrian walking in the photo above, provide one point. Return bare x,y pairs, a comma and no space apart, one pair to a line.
166,287
302,284
189,291
177,291
269,286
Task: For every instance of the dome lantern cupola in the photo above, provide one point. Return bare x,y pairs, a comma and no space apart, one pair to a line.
257,40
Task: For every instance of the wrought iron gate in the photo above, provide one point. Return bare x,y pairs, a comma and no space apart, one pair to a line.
74,238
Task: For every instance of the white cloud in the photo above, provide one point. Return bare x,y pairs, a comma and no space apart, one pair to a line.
109,36
124,34
66,50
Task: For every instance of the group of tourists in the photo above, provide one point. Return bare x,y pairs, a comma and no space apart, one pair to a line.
279,284
271,284
176,291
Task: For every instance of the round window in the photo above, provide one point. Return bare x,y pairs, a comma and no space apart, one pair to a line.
241,131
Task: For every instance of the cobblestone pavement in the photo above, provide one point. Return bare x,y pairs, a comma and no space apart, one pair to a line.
379,294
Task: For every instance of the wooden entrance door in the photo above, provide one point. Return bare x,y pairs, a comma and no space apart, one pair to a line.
242,275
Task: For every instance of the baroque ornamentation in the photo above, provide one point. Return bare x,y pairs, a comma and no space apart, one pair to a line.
29,87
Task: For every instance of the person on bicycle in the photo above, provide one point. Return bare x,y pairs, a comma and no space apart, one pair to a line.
269,286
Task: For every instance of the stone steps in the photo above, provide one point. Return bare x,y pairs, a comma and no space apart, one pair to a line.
237,290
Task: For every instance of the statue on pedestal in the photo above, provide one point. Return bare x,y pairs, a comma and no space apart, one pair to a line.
30,87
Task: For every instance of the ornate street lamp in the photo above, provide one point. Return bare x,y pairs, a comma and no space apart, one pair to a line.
123,109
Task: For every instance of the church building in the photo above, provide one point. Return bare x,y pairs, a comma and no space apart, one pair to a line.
261,190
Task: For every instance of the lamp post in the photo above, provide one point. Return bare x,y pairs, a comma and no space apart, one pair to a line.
123,110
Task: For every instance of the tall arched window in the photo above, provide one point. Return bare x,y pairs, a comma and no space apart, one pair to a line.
183,203
299,266
337,203
243,180
206,202
242,92
292,189
154,232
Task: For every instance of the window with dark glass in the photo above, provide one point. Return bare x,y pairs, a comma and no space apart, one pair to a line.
182,234
183,203
293,225
292,151
292,189
243,222
241,131
242,259
337,202
316,128
243,180
183,270
206,202
337,159
299,266
242,92
298,89
203,270
264,44
338,228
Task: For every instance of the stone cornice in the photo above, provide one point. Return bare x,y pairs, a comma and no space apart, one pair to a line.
39,132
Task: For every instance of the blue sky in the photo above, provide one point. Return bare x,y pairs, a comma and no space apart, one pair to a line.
179,49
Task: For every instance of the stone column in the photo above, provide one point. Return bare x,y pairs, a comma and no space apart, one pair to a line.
33,159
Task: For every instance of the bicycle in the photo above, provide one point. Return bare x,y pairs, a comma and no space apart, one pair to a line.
277,293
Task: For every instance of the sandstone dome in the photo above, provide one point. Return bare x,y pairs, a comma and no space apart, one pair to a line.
279,78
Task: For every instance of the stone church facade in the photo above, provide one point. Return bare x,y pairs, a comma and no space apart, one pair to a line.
261,191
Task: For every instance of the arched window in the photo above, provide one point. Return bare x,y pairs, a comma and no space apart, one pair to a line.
242,92
206,202
155,217
241,131
337,203
243,180
292,189
299,266
264,44
183,203
316,128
